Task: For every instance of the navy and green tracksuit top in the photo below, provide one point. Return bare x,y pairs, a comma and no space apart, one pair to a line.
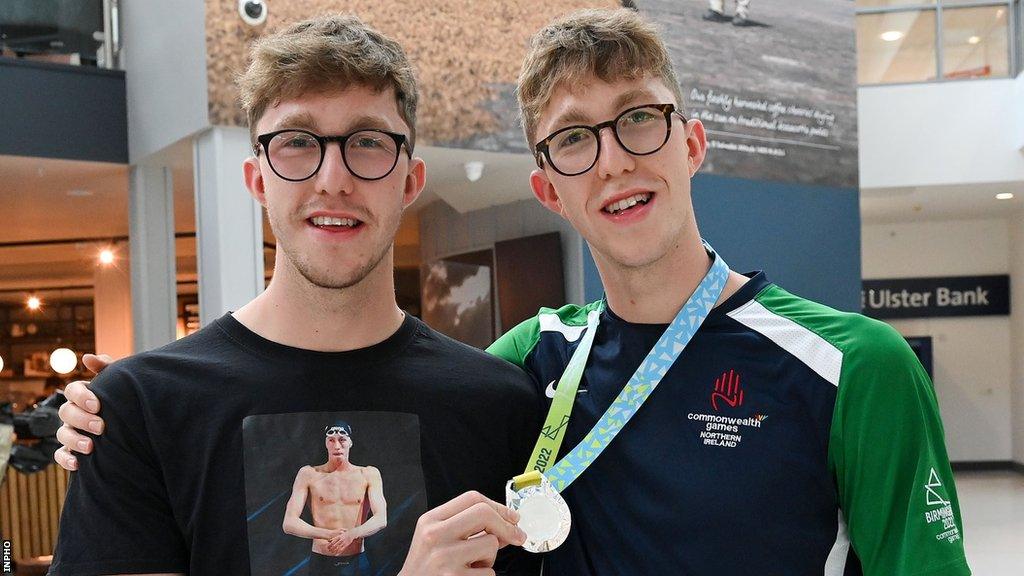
789,439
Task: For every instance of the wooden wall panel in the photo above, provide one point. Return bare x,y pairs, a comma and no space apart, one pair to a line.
30,506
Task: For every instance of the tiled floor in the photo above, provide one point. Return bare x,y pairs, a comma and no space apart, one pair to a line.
992,505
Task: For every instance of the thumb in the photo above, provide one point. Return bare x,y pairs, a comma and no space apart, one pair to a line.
96,362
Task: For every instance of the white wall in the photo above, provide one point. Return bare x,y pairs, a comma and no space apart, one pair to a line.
444,232
943,133
164,57
1017,328
972,355
1018,99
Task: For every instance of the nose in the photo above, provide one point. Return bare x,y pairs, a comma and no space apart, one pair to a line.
333,176
613,159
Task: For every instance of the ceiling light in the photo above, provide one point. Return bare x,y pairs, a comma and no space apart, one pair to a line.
63,361
106,256
1004,196
999,13
974,40
79,193
34,303
891,35
474,170
1,363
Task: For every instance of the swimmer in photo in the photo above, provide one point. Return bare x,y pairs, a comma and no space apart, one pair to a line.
346,502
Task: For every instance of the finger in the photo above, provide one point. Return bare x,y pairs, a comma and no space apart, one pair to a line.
476,553
79,419
484,517
78,393
65,459
465,501
73,440
96,362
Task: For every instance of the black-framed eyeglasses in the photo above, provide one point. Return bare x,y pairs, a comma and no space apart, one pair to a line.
640,130
296,155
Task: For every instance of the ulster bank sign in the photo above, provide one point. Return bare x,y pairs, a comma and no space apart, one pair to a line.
931,297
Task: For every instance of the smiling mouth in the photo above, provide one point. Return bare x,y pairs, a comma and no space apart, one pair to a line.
333,223
626,204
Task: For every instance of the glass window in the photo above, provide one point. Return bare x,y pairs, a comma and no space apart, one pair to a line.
890,3
975,42
896,47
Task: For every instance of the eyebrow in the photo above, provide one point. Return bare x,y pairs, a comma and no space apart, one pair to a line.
370,121
632,96
577,116
305,121
301,120
570,116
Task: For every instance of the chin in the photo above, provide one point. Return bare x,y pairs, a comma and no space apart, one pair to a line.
336,275
634,255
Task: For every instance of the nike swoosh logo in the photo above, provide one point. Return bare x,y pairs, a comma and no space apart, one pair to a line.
550,390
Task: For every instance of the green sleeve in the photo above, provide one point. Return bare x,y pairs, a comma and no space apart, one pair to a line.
517,343
515,346
887,451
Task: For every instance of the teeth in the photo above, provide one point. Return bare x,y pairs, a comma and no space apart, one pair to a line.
332,221
621,205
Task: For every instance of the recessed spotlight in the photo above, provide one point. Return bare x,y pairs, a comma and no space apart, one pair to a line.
474,170
1004,196
891,35
106,256
34,303
974,40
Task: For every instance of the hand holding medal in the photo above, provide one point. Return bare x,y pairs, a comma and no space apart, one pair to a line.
466,531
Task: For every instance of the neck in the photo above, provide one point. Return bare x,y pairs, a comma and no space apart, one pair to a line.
334,465
654,293
294,312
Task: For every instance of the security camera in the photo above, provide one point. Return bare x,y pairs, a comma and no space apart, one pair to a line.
253,12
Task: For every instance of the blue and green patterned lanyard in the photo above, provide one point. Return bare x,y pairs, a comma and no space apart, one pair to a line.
633,394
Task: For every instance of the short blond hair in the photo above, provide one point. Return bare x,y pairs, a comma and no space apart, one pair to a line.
329,52
611,44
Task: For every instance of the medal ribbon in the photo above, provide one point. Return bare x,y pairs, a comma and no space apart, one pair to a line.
636,391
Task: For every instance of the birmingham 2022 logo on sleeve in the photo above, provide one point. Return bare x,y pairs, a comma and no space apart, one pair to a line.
940,509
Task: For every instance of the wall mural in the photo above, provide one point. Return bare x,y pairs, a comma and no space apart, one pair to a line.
466,86
777,95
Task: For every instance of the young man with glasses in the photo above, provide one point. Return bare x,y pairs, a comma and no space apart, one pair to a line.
332,109
787,437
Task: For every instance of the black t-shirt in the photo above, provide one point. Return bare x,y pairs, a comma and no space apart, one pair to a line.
205,438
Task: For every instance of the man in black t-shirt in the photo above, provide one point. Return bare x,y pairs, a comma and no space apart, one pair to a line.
204,435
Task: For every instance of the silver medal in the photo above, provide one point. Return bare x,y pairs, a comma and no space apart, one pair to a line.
543,515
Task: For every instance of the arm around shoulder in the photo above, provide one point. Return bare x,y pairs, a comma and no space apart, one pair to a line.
117,515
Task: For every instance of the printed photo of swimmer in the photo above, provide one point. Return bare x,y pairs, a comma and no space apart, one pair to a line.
347,504
331,493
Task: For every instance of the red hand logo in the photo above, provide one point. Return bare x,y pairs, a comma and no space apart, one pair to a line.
727,387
